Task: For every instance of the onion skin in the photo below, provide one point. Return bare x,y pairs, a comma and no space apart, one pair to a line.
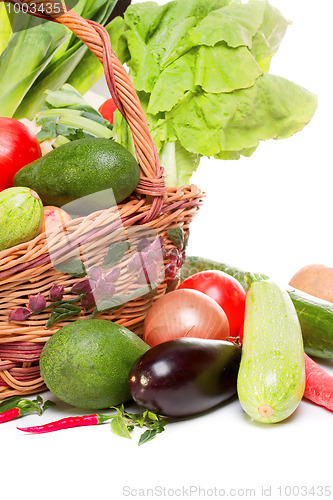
184,377
185,313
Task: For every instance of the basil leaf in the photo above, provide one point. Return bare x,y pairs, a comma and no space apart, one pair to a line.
119,427
138,418
146,292
66,310
9,403
153,416
148,435
47,405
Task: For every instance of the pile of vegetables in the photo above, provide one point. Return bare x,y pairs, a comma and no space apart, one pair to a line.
200,69
176,374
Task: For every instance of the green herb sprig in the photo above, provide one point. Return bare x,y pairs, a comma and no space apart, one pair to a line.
123,423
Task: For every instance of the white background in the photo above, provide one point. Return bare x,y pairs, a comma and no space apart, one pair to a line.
269,213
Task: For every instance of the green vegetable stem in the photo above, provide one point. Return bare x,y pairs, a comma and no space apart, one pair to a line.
67,116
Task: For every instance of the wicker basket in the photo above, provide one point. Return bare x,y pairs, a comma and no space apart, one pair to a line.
27,269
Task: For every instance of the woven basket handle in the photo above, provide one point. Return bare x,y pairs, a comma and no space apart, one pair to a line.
122,91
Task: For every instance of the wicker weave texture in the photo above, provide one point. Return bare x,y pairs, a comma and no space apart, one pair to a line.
28,269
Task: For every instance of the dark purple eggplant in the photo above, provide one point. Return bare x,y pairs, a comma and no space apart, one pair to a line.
185,376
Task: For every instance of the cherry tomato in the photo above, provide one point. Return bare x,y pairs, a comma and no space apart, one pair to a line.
107,109
18,147
225,290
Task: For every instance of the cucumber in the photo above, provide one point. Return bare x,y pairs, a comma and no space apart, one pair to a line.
194,265
271,378
21,216
315,315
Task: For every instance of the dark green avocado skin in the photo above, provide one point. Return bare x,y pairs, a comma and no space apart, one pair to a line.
87,363
80,168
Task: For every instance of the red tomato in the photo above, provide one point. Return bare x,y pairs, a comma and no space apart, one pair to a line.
225,290
18,147
107,109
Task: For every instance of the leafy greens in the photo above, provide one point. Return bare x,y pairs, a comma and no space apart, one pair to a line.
200,68
36,56
67,116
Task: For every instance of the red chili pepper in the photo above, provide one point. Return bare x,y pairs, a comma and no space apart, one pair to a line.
17,407
319,384
67,423
8,415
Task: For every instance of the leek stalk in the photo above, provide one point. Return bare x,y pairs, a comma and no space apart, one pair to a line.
5,28
38,55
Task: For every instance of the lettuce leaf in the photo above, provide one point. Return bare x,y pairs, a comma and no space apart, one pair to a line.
235,24
200,68
269,36
214,69
273,107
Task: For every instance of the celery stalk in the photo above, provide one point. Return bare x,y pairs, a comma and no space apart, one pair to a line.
168,157
86,125
70,118
60,111
60,141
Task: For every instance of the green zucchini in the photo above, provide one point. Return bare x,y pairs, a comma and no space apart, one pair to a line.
315,315
21,215
271,377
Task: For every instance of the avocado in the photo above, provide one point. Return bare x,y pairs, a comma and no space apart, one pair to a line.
87,363
80,168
